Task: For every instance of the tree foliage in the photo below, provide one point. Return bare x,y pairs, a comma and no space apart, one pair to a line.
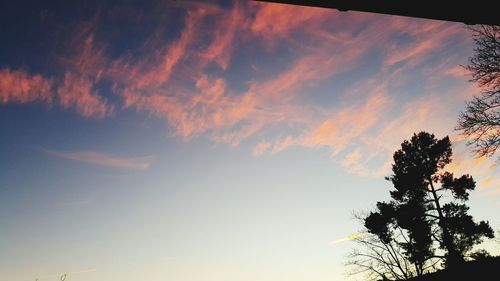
427,219
480,122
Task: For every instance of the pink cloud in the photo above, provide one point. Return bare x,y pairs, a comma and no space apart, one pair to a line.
176,81
235,137
163,65
166,107
212,90
261,148
279,20
185,57
145,84
189,111
283,144
316,63
103,159
429,37
78,92
85,55
231,118
190,114
227,27
457,71
21,87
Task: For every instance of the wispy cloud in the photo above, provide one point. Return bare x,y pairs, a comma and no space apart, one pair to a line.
349,238
103,159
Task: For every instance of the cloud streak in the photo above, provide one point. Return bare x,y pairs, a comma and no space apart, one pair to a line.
348,238
103,159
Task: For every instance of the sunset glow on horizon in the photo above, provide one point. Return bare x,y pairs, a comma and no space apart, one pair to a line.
221,140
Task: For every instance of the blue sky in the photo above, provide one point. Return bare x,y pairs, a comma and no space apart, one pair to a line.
185,140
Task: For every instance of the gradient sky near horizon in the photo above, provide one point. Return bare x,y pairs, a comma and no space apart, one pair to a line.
196,140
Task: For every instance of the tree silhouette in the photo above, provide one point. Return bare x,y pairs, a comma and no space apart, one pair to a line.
382,257
481,120
421,218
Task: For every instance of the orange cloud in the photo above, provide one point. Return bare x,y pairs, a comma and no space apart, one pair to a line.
21,87
386,136
347,124
102,159
482,169
352,159
342,132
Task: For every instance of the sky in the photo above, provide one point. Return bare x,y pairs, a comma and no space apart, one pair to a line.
196,140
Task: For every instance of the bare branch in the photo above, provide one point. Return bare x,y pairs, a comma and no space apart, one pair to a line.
480,123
